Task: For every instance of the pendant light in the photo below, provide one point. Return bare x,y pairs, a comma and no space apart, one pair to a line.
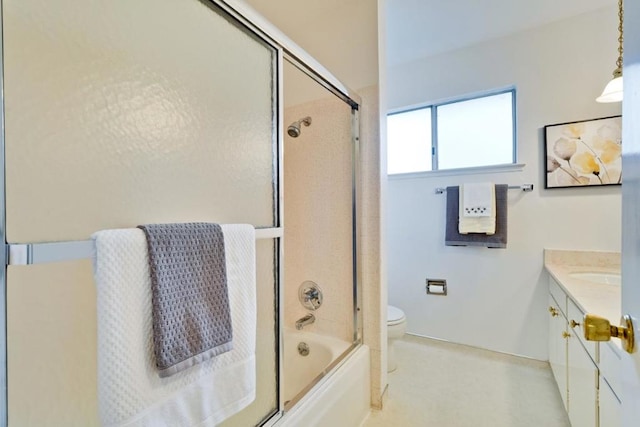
613,90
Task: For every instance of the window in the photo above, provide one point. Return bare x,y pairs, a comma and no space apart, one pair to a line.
411,135
458,134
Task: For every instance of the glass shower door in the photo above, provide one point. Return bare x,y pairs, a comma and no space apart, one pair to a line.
119,114
319,237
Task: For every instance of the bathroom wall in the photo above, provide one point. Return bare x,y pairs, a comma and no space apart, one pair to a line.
497,298
119,114
371,252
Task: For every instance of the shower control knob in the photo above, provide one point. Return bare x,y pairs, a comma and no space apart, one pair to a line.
310,295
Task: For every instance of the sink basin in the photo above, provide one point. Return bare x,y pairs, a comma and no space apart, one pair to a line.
595,277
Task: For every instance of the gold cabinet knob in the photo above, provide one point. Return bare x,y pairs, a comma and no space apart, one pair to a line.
573,323
598,328
553,311
565,334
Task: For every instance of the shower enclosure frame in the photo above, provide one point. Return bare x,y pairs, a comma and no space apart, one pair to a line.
294,54
285,49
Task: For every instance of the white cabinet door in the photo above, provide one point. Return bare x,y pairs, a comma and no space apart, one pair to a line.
609,406
558,348
583,385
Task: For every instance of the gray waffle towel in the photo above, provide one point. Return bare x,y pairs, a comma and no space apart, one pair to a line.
190,301
497,240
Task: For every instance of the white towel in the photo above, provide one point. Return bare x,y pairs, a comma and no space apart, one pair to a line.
130,391
478,199
477,207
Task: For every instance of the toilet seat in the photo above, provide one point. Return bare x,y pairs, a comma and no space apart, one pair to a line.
395,316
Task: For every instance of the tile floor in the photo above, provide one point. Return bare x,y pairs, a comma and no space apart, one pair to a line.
448,385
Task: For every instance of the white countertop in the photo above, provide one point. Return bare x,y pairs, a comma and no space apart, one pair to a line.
600,299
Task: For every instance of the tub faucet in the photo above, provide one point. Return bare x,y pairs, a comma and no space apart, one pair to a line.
306,320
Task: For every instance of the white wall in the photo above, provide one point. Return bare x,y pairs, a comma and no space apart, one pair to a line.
497,297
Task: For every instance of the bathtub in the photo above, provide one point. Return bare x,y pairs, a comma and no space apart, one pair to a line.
300,371
342,395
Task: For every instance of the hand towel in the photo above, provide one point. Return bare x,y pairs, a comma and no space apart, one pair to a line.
189,295
496,240
478,199
130,391
477,208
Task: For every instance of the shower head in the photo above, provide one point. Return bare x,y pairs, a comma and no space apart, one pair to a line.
294,128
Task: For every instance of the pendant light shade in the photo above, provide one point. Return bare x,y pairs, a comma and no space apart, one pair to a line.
613,90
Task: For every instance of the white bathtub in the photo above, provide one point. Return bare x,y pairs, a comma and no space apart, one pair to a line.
300,371
341,398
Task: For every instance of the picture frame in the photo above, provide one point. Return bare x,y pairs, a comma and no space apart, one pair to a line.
584,153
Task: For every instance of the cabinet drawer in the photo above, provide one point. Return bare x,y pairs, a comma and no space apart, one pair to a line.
610,360
575,314
558,294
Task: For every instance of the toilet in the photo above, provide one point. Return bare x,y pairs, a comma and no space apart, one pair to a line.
396,327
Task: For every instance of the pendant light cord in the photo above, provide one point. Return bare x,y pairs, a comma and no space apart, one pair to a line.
618,71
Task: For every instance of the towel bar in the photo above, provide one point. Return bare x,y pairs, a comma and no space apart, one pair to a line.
41,253
523,187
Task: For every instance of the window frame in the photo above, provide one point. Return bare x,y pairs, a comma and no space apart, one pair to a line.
434,128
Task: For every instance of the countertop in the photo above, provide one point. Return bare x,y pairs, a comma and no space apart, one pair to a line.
600,299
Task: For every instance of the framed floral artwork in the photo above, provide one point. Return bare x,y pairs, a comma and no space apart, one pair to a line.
584,153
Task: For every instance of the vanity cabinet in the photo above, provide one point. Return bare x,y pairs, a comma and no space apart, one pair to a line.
582,384
587,373
610,362
558,347
609,406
